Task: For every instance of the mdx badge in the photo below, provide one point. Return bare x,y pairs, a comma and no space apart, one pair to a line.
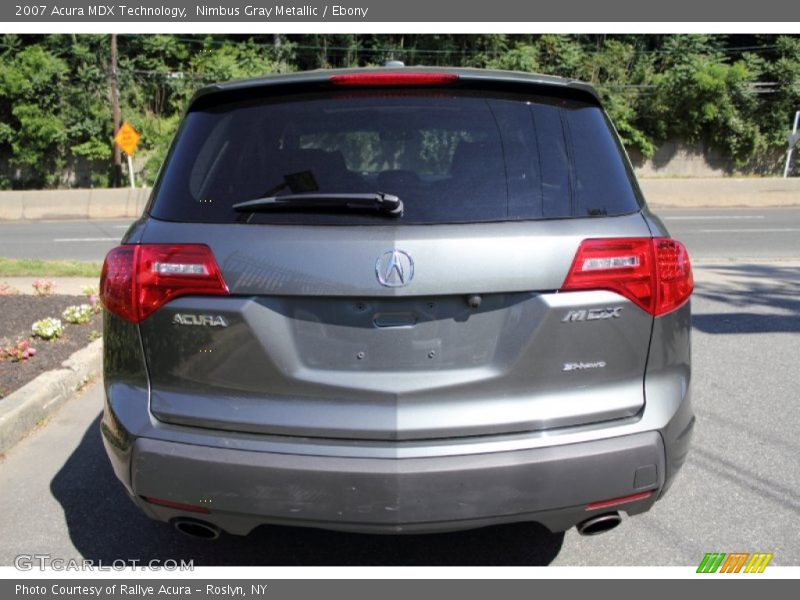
201,320
593,314
394,268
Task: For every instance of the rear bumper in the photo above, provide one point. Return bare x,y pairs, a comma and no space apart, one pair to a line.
426,485
243,489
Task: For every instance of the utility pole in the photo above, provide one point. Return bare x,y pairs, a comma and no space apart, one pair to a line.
794,138
114,83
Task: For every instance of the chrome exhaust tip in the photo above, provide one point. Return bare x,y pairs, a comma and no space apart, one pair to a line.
197,529
599,524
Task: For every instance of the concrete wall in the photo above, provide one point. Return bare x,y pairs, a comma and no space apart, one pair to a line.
678,159
675,159
661,192
73,204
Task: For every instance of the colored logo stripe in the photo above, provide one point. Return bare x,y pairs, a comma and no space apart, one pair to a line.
758,562
711,562
734,562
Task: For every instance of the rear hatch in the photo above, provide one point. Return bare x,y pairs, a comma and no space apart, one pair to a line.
347,322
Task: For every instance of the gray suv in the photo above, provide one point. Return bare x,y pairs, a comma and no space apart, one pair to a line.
396,300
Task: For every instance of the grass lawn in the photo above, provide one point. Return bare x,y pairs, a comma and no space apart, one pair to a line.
35,267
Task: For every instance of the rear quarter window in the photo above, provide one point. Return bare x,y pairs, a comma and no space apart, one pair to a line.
452,157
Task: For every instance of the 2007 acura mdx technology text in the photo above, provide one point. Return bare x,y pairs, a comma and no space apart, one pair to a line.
396,300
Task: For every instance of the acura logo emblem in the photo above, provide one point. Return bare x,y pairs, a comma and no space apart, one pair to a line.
394,268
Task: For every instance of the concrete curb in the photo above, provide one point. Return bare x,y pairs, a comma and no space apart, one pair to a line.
722,193
71,286
24,409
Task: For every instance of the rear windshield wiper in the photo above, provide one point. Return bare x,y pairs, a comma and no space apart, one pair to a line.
385,204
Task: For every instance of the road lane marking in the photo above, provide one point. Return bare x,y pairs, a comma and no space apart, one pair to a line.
714,217
783,230
97,239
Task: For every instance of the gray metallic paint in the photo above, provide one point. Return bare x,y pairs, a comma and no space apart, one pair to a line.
322,76
421,493
494,437
302,355
666,411
449,259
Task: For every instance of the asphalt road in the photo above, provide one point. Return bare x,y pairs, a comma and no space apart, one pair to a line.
737,492
78,240
734,233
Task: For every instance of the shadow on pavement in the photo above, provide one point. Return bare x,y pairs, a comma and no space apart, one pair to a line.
769,293
104,525
746,323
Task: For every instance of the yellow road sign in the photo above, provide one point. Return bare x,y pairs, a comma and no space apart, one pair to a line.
127,138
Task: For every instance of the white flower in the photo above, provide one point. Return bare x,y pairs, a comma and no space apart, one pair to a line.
48,328
77,314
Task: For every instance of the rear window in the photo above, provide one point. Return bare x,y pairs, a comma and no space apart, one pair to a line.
452,157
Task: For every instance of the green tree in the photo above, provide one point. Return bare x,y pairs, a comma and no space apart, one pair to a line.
700,97
736,94
779,97
33,131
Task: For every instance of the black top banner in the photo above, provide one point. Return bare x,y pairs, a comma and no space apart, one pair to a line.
450,11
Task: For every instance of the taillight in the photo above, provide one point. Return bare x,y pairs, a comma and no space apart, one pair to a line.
116,283
138,279
673,275
654,273
393,79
